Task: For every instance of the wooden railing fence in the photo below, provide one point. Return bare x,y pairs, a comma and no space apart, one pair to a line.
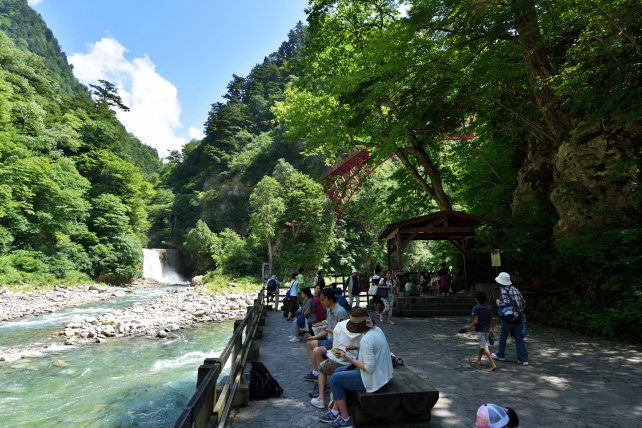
206,408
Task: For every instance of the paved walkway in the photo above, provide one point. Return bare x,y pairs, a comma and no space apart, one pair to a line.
573,380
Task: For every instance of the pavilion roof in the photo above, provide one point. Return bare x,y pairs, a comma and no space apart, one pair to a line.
440,225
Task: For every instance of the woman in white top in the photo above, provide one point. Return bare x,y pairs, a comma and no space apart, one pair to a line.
387,289
373,367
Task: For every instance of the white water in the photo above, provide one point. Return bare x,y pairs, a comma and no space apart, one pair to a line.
163,272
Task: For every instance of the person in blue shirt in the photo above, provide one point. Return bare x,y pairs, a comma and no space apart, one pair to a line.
484,324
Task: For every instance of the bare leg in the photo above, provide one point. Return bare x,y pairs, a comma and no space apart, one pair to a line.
479,355
322,379
342,407
490,358
318,355
310,347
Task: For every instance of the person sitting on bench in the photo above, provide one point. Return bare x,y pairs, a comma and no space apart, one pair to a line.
373,367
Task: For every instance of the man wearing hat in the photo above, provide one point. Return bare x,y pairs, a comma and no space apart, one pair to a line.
510,296
353,287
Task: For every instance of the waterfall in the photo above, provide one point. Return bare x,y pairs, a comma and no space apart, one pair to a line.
152,267
162,265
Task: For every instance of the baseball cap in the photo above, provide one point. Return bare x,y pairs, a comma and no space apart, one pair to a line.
491,416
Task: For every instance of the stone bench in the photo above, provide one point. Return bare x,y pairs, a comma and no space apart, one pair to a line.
406,398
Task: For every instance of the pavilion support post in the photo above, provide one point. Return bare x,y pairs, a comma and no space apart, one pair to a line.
465,272
388,252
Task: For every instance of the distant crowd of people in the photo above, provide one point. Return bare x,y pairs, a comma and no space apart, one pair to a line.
349,352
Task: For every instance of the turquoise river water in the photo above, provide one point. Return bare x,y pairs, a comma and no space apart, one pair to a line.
128,382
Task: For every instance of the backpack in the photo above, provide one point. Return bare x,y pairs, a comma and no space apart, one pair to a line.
271,284
321,282
262,384
508,313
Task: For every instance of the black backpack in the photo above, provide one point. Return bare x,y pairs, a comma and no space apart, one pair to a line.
262,384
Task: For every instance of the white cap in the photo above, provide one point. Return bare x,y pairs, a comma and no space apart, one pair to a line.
354,271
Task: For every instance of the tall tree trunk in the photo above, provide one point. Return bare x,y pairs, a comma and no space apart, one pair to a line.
269,242
540,69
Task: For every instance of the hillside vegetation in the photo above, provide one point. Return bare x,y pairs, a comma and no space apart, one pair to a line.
551,92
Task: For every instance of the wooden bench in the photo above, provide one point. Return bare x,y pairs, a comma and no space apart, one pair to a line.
406,398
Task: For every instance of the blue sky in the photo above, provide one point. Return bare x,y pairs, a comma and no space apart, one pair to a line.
170,60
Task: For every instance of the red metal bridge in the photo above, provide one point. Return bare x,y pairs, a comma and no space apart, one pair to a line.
343,181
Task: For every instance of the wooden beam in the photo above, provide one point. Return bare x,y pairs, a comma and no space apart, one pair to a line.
457,246
405,243
392,234
427,229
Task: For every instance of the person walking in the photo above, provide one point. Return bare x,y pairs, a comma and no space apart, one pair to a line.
387,293
510,296
353,287
376,299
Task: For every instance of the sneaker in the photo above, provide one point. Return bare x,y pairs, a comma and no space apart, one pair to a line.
290,319
328,416
380,318
310,377
376,312
314,392
524,363
340,423
495,357
318,402
295,339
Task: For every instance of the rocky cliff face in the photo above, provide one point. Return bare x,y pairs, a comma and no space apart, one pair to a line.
593,173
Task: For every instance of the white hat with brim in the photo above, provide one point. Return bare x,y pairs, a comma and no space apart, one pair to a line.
355,271
503,278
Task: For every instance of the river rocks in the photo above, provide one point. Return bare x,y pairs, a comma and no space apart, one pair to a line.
197,280
158,317
17,305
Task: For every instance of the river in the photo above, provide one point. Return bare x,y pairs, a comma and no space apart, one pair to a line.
127,382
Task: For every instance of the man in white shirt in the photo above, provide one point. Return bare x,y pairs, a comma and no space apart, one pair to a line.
319,345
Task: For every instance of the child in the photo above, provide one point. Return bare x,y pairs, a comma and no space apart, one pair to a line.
484,324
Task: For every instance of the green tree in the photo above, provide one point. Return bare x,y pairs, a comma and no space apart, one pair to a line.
268,206
203,247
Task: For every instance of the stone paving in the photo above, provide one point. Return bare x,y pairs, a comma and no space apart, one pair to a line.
573,379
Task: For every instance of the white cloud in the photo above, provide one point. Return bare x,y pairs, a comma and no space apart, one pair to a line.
34,2
195,134
154,115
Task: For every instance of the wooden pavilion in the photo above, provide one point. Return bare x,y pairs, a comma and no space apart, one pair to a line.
454,226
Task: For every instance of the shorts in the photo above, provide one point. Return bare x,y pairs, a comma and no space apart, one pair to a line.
482,338
376,299
326,343
292,305
327,367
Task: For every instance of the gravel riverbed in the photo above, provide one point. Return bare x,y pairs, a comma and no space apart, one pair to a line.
158,318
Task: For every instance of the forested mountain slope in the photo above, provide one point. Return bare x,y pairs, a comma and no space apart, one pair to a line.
72,202
30,33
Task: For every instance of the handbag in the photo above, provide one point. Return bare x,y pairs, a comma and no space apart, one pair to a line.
507,313
372,291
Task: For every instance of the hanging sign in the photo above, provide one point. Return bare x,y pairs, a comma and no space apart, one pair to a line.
495,259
